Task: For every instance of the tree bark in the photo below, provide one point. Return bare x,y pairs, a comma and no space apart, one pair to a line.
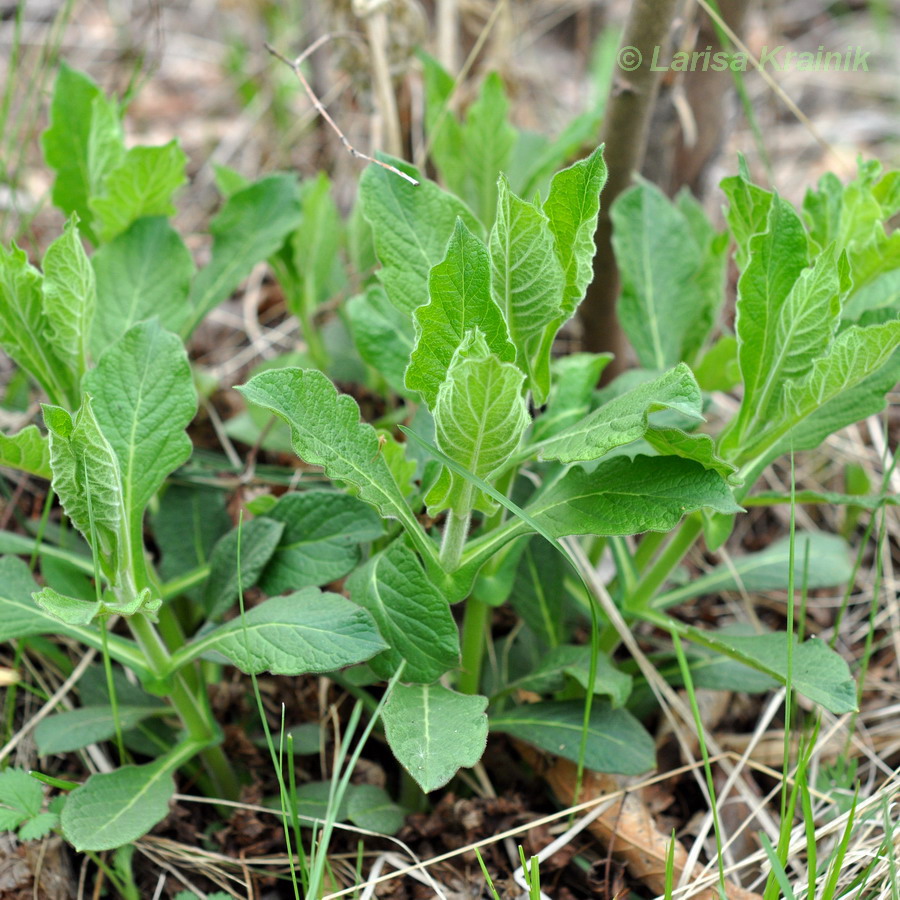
624,132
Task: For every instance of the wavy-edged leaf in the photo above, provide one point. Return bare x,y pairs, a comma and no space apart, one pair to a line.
145,272
28,450
326,431
299,633
434,731
480,416
700,448
411,613
70,298
411,226
617,742
142,184
460,291
625,418
320,541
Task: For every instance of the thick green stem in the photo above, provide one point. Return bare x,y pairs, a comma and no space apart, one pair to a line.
475,621
674,552
454,540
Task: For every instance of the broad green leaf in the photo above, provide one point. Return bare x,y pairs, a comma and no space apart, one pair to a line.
39,826
718,370
672,271
480,416
314,801
777,257
460,292
299,633
445,132
769,569
83,143
115,808
748,210
383,335
251,226
488,139
144,398
625,496
370,807
69,610
20,617
434,731
617,742
700,448
144,272
258,540
88,482
189,521
27,450
846,385
20,792
411,226
572,207
141,185
625,418
411,613
70,298
320,541
527,280
819,673
25,328
326,431
575,377
72,730
574,662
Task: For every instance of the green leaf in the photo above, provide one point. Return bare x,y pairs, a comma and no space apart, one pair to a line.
411,226
777,257
445,132
769,569
718,370
83,143
434,731
25,328
251,226
69,610
28,450
672,276
748,210
21,617
617,742
383,335
819,673
72,730
480,416
575,661
488,139
700,448
258,540
38,827
625,418
115,808
144,272
572,207
411,614
70,298
299,633
575,377
460,292
326,431
141,185
87,480
321,538
371,808
625,496
527,281
21,793
144,398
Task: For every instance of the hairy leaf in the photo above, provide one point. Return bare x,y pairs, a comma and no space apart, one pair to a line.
27,450
76,728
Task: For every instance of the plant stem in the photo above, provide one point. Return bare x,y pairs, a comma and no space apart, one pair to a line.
454,540
314,343
475,621
682,541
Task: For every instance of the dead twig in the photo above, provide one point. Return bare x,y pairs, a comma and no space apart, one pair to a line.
294,65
